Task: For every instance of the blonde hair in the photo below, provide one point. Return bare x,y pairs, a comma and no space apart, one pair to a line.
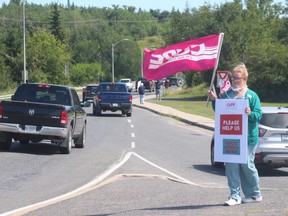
241,69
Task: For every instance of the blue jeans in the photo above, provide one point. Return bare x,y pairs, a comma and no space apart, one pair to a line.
243,175
141,98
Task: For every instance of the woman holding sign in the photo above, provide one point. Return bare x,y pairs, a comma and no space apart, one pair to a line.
243,176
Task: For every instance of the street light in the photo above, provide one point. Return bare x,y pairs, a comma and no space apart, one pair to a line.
24,45
113,45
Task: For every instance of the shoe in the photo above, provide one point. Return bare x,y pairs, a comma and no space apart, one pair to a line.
232,202
252,199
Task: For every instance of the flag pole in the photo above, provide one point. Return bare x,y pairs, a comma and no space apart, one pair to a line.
212,87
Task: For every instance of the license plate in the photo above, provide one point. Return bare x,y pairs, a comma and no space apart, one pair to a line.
115,104
284,137
30,128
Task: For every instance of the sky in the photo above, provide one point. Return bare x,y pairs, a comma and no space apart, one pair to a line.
143,4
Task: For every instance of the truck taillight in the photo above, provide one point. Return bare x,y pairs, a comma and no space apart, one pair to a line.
99,98
64,117
44,86
1,111
261,132
130,98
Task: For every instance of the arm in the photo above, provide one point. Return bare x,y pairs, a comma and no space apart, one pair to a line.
254,110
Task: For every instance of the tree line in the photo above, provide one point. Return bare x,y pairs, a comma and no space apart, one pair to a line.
71,45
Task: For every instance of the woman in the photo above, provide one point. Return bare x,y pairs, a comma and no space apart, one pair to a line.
243,175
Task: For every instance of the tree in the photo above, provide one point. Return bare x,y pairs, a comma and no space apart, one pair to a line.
81,74
55,23
47,58
12,55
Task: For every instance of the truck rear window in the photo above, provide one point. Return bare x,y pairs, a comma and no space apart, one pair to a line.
112,88
34,93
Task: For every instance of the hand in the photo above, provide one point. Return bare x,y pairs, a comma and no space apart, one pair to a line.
211,95
247,110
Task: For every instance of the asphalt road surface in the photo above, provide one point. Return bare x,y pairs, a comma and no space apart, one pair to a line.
143,165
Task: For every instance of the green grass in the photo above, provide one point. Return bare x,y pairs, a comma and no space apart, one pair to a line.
194,101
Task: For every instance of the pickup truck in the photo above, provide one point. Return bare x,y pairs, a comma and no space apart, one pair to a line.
128,82
113,97
40,112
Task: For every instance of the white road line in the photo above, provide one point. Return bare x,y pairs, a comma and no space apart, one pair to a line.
97,180
92,184
133,145
132,135
132,126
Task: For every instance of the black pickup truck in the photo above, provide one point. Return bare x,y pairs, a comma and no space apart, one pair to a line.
40,112
113,97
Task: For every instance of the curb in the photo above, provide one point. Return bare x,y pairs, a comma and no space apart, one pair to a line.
176,117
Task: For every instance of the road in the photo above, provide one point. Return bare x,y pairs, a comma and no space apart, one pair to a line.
143,165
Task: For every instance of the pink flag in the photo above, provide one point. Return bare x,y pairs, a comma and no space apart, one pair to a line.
198,55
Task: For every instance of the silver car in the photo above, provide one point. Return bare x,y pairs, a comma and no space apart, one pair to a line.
273,137
272,149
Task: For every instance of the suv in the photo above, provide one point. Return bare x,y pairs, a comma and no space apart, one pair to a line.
89,92
174,81
149,84
272,148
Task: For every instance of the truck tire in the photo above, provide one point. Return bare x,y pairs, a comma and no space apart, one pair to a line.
6,141
66,145
97,111
80,141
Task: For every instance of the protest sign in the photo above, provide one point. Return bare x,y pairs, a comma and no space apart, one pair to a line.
231,130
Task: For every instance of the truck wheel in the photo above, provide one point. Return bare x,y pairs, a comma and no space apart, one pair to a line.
66,145
80,141
6,143
97,111
129,112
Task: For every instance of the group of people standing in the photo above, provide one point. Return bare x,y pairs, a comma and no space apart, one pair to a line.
141,91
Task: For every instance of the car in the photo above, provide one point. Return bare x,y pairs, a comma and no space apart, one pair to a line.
89,92
128,82
272,149
149,84
174,81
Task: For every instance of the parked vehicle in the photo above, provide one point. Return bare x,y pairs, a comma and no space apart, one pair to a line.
149,84
89,92
272,149
174,81
128,82
40,112
113,97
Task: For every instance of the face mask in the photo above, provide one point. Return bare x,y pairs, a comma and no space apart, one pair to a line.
235,89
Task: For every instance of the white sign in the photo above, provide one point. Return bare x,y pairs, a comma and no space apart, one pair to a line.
231,130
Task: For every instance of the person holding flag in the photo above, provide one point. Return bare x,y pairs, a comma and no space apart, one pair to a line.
243,176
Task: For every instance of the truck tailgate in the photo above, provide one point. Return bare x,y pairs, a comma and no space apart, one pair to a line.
112,97
28,113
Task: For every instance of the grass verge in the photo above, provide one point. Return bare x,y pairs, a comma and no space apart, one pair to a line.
194,101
